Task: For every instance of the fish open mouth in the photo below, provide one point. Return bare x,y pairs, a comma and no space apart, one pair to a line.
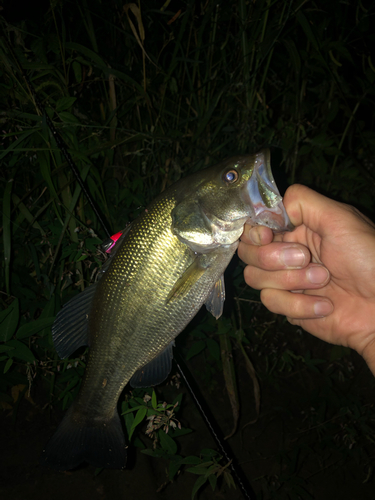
263,196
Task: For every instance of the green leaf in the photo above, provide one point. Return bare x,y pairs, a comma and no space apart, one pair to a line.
197,470
133,409
178,400
138,443
67,398
6,348
301,18
156,453
195,349
48,312
65,103
77,69
154,401
180,432
339,352
214,348
191,460
224,325
198,334
34,327
129,420
174,467
4,314
87,52
98,470
229,479
140,415
14,144
73,382
198,484
167,443
21,351
293,55
98,61
8,364
9,321
213,480
68,117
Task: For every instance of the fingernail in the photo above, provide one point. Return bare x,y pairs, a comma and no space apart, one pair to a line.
253,234
317,274
322,308
293,257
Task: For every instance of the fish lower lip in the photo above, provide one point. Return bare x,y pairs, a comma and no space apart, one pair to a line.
263,197
276,222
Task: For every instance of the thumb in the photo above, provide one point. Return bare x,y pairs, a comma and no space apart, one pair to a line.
315,211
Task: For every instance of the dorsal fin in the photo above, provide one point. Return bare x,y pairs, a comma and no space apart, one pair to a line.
69,330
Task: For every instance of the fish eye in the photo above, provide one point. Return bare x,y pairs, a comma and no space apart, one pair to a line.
231,176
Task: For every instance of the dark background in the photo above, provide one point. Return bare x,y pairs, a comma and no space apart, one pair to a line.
211,79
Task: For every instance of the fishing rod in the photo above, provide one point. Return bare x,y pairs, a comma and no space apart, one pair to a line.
62,146
241,480
206,413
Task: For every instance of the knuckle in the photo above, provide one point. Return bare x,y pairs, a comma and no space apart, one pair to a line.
267,297
250,275
296,306
267,257
291,280
262,255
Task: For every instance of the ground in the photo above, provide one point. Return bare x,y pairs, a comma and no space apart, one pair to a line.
280,456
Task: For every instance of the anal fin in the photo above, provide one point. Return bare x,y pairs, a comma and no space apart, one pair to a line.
156,371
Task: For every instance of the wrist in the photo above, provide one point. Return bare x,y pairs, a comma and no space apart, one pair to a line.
368,354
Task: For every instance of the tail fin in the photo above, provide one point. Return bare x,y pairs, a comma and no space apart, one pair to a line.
100,443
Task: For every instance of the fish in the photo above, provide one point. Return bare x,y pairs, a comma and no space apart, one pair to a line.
162,268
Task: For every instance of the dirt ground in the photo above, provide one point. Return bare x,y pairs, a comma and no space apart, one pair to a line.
257,448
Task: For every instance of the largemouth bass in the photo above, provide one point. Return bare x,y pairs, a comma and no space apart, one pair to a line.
165,266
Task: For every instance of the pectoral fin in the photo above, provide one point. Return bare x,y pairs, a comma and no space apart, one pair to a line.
184,284
156,371
216,299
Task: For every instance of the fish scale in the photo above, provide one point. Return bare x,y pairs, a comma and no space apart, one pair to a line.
159,322
167,264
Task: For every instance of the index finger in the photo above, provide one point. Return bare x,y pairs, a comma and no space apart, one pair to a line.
315,211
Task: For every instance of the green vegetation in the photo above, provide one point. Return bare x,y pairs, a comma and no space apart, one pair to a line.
143,94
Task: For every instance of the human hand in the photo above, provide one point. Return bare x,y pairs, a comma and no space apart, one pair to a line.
328,261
